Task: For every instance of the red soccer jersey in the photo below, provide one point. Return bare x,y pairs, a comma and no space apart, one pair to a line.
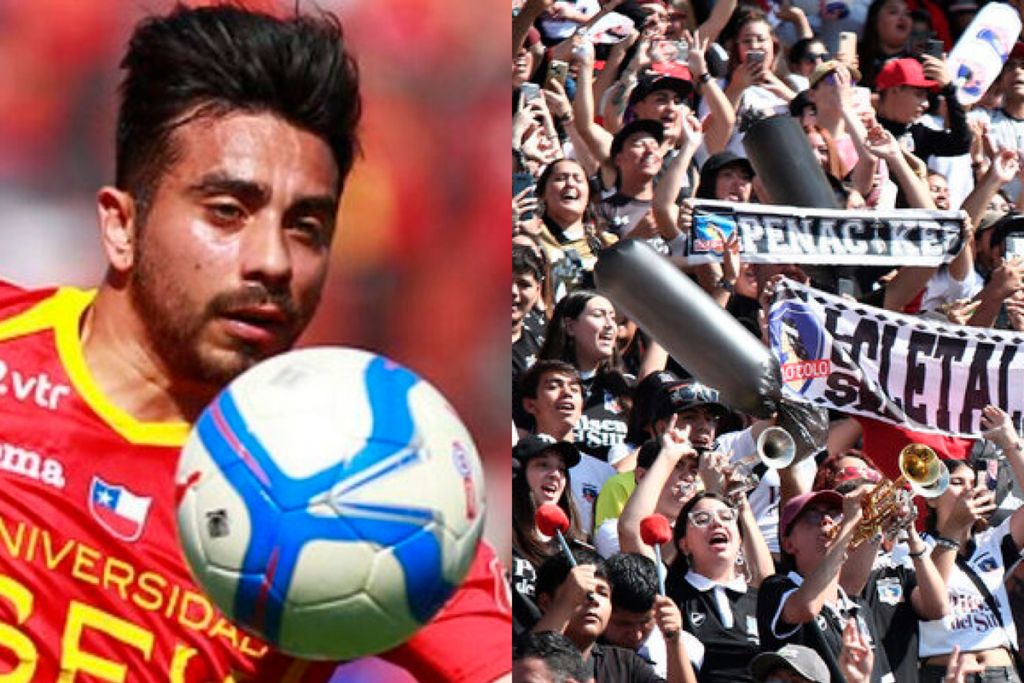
93,586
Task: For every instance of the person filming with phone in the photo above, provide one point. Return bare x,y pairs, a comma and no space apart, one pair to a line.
972,558
753,83
903,86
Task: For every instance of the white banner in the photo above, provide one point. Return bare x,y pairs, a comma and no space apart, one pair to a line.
788,234
921,374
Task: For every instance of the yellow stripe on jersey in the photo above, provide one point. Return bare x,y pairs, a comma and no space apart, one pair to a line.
64,312
39,317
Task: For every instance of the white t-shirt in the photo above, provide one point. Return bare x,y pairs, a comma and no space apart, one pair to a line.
606,538
586,480
653,650
970,623
1008,133
942,287
755,97
561,29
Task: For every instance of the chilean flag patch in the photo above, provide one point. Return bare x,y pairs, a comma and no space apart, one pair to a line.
120,511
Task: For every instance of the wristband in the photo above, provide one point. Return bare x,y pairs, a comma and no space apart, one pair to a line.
726,285
918,555
942,542
702,80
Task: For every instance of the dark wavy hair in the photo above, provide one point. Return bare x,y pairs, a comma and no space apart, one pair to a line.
524,538
744,15
869,51
800,49
211,62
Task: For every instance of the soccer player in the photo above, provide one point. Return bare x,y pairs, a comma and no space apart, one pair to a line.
236,132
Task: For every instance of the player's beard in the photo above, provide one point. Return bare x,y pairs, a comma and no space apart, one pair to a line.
176,322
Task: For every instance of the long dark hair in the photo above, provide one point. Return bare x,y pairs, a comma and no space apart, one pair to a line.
216,61
524,536
869,51
560,346
589,219
744,15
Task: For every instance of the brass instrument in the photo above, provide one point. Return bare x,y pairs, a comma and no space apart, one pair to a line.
776,450
882,509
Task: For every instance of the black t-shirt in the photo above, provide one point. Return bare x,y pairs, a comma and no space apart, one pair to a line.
727,651
823,634
524,353
610,664
605,418
887,596
524,608
535,322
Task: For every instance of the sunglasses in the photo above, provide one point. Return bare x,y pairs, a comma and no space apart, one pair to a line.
831,78
692,393
847,473
702,518
815,517
815,58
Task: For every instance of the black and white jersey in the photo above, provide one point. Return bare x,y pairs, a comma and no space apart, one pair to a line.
823,634
727,649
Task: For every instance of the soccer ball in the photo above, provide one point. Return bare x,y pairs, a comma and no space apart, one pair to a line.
330,501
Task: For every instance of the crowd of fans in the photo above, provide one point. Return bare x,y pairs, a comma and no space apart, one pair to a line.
625,111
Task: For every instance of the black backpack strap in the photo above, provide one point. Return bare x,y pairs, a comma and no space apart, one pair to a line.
991,602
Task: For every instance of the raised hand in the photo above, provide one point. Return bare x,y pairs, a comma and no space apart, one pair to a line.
1006,165
856,658
557,101
669,619
675,441
696,57
692,133
935,70
998,426
731,258
882,144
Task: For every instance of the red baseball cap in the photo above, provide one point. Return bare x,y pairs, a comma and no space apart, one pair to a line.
795,506
905,71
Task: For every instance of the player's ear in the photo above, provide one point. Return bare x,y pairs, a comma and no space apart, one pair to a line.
530,406
117,217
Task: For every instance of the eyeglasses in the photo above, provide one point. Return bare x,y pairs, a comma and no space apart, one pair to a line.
847,473
815,517
702,518
815,58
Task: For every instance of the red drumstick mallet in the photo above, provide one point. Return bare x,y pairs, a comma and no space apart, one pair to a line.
655,530
551,520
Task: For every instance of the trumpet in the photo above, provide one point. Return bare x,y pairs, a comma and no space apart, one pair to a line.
776,450
882,509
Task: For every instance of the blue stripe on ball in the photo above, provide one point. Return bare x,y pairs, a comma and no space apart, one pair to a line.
244,461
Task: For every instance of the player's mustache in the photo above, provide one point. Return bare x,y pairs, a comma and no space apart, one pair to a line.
254,296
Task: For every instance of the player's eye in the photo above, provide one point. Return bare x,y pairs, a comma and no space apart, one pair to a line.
311,228
225,212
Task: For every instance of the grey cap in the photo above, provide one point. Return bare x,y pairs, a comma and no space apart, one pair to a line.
798,658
